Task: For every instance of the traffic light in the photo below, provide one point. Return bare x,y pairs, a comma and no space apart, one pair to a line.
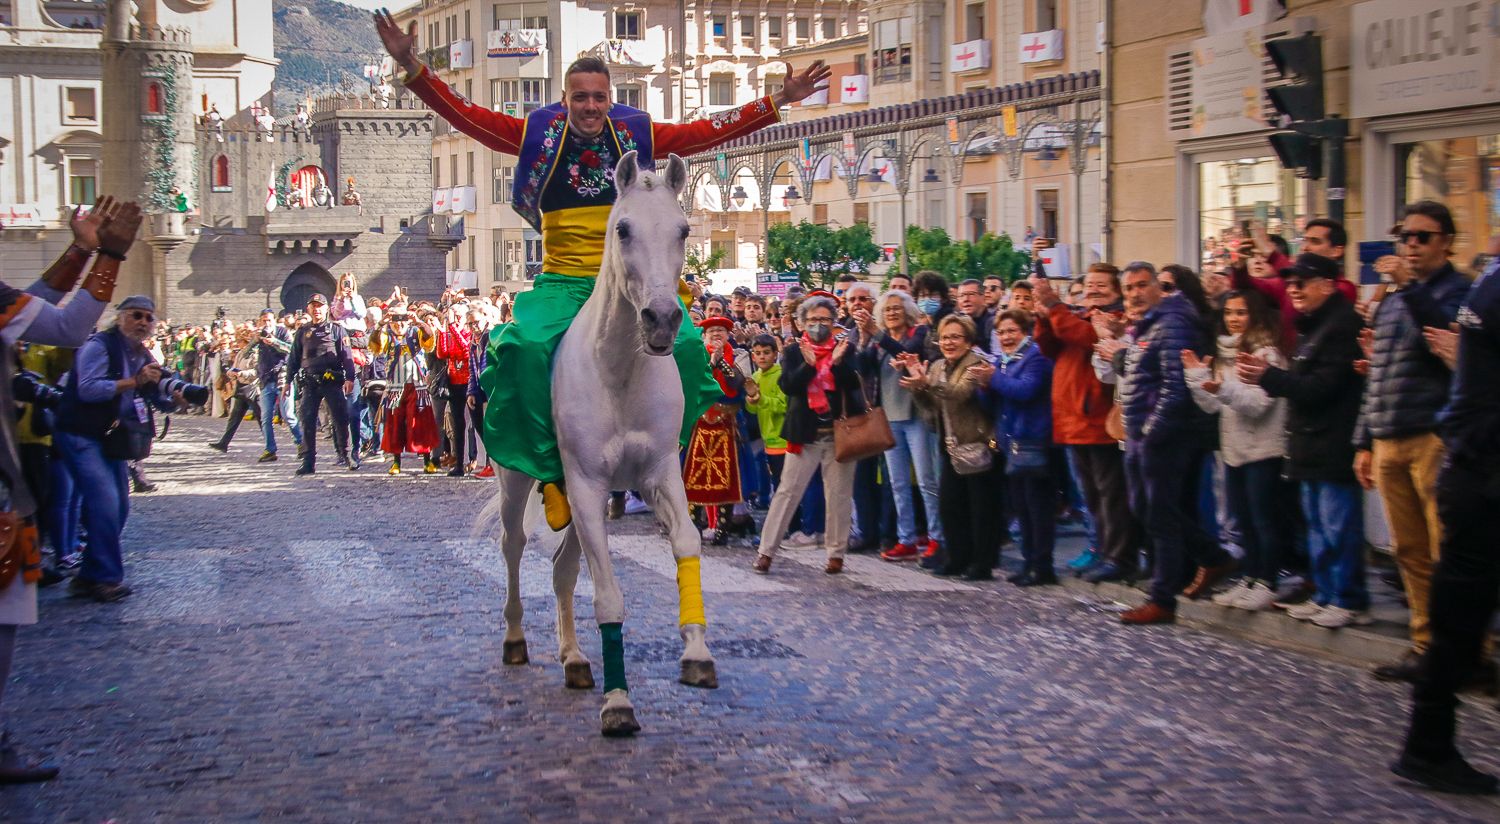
1299,61
1300,153
1310,139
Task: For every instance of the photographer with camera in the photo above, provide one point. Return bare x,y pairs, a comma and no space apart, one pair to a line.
321,361
273,344
105,420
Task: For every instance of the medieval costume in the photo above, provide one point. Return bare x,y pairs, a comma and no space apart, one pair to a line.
564,188
711,471
409,422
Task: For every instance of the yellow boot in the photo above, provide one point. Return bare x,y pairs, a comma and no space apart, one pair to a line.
555,504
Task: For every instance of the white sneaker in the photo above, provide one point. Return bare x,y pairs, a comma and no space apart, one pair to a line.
802,540
1333,617
1231,597
1305,611
1256,597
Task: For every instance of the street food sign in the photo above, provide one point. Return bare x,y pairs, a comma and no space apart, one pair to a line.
1421,55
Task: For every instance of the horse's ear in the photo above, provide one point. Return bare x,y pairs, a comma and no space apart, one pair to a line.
677,173
626,171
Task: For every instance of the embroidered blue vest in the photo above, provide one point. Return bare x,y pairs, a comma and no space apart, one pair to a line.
543,136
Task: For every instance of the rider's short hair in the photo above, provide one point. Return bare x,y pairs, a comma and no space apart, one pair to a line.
586,65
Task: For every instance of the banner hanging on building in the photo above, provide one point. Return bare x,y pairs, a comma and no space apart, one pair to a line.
516,42
854,88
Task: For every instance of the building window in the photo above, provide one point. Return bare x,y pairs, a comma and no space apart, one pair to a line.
469,90
727,246
830,28
1232,191
629,95
861,212
153,97
720,25
628,25
469,166
773,28
1046,15
502,179
533,256
802,26
495,98
892,50
514,262
79,105
820,214
721,89
221,174
1462,172
437,173
861,61
453,170
510,97
747,28
534,22
774,84
83,174
974,21
977,213
533,94
1046,213
497,254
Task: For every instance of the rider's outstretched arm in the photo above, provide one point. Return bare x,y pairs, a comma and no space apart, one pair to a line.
701,135
496,130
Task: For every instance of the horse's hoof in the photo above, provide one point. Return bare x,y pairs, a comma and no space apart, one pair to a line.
514,652
700,674
578,676
618,722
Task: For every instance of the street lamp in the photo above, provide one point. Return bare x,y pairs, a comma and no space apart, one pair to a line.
931,176
790,196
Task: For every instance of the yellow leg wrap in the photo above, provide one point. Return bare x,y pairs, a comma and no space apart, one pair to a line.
689,592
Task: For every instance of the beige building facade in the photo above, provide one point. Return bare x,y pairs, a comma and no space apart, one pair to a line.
1189,161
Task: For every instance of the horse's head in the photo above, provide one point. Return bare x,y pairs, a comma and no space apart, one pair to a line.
644,247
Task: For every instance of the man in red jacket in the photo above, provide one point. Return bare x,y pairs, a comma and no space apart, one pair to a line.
1080,405
453,343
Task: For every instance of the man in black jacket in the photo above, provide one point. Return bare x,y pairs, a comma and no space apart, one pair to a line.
1323,392
1467,578
1399,449
320,358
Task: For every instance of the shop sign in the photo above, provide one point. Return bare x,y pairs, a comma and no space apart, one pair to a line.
1421,55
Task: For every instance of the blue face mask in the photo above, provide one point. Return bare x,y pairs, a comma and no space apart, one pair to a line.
929,306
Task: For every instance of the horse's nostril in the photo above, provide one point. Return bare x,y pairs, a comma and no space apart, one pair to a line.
649,316
674,318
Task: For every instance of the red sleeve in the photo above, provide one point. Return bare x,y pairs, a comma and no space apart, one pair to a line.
1045,339
701,135
1070,329
1347,286
498,131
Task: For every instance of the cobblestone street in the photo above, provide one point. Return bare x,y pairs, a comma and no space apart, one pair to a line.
329,649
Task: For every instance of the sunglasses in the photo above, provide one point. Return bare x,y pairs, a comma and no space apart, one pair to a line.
1421,236
993,288
145,316
1168,287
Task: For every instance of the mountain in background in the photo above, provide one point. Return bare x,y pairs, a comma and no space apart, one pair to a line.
321,44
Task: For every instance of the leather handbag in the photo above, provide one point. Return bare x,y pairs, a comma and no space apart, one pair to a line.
1114,423
856,437
967,458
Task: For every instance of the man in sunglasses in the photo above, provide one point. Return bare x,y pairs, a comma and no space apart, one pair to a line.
1399,448
1323,393
1467,578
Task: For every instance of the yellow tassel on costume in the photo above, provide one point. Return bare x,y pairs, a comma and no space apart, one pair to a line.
689,592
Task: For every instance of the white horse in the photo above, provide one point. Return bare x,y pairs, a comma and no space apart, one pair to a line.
618,407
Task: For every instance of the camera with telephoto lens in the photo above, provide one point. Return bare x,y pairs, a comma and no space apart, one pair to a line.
171,382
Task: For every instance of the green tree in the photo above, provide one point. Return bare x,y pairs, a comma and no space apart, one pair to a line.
819,254
700,267
958,260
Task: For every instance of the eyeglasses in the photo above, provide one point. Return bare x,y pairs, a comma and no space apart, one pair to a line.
145,316
1421,236
1293,283
954,338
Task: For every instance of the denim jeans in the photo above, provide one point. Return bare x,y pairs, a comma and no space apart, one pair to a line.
64,507
874,508
1080,501
1163,481
289,406
1336,543
1251,495
915,447
103,483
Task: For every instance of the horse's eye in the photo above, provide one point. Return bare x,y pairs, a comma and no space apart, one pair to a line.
685,232
623,230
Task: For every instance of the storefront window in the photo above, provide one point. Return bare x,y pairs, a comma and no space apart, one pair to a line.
1464,174
1233,192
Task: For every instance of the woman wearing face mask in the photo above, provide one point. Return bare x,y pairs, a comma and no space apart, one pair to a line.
1022,384
821,383
930,290
1252,439
967,495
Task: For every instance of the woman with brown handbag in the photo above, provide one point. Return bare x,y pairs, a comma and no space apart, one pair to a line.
968,486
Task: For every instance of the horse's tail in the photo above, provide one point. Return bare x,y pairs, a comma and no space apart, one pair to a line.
491,517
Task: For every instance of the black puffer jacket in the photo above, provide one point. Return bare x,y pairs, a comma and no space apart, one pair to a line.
1323,393
1154,397
1408,384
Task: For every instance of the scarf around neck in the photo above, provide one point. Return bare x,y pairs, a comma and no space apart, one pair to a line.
822,382
727,353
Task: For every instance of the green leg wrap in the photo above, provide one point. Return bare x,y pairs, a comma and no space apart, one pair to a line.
614,656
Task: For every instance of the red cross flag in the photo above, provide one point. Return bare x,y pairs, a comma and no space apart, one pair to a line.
1221,16
1042,46
854,88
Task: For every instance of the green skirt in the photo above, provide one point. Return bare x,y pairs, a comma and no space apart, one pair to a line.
517,378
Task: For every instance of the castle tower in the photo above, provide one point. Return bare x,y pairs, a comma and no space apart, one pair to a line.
148,129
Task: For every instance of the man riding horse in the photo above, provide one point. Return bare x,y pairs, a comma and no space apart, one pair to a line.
564,188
